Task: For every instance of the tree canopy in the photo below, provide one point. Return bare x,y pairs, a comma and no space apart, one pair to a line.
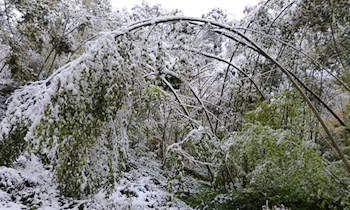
148,108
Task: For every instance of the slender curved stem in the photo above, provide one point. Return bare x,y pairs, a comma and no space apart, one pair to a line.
230,64
263,53
303,53
260,51
300,82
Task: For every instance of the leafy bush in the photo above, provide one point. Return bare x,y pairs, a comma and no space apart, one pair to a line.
12,147
76,119
277,165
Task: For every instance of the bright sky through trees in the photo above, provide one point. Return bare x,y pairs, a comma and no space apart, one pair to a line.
195,8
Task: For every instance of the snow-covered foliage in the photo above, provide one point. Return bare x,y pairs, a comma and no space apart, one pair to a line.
29,184
132,110
76,118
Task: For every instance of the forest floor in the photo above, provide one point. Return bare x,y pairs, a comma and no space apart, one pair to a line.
30,185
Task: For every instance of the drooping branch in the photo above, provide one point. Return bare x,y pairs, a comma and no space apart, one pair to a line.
260,51
183,106
170,19
342,83
295,77
195,95
305,98
188,115
281,13
335,44
184,109
208,55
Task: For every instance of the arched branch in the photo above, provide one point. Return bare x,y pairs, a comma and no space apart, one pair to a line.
208,55
305,98
169,19
260,51
195,95
184,109
342,83
295,77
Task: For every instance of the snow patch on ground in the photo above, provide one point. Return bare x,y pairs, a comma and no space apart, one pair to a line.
29,184
143,187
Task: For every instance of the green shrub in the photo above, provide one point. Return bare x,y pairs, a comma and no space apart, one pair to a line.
12,147
278,166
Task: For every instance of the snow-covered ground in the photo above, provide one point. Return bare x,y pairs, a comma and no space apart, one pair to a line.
29,185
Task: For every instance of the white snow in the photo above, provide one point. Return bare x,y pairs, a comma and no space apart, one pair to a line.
30,185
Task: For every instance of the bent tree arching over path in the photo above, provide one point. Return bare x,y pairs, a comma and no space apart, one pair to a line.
77,119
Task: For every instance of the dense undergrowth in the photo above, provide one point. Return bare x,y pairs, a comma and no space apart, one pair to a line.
150,109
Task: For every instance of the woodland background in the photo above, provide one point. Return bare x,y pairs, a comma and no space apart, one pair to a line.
148,109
